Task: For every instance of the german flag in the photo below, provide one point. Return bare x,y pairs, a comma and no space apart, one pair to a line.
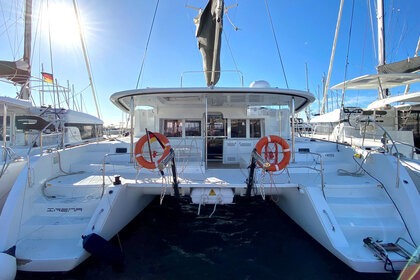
48,78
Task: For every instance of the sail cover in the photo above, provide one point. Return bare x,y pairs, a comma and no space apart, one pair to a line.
209,23
409,65
15,71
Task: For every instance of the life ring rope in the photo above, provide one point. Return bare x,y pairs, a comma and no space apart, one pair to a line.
262,149
140,155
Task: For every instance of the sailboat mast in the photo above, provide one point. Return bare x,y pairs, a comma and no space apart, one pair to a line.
381,42
28,32
327,84
86,58
27,47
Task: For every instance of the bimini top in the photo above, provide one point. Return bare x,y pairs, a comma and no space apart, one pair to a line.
16,105
376,81
230,97
409,98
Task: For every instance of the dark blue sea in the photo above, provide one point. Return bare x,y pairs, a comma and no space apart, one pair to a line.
249,240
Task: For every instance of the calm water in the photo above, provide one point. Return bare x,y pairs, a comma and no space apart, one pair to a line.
254,240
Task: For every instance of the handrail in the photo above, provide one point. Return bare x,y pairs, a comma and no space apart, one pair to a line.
329,219
321,170
387,134
385,146
8,152
388,150
104,163
363,132
41,136
414,148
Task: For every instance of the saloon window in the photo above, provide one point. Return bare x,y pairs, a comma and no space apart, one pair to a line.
192,128
238,128
172,128
255,127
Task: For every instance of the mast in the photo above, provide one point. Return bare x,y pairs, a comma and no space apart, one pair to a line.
28,33
86,58
27,47
327,83
19,71
381,43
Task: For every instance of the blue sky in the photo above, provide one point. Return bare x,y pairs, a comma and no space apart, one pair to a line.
116,33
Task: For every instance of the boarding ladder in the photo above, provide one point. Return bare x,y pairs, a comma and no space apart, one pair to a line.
390,252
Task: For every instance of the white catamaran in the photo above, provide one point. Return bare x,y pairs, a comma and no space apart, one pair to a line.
390,123
210,144
27,129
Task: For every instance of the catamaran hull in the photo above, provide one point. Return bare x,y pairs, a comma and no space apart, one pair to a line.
45,219
8,178
113,213
300,207
7,266
342,215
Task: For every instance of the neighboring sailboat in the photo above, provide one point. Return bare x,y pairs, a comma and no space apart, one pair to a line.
390,123
28,129
356,126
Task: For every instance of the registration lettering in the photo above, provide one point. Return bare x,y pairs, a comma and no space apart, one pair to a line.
64,209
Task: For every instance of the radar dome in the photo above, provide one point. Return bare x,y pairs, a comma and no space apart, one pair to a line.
260,84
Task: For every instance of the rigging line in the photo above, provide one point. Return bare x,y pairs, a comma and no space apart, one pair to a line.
362,64
15,41
373,32
74,95
227,15
231,54
51,53
147,44
37,33
392,22
277,45
348,50
6,28
235,28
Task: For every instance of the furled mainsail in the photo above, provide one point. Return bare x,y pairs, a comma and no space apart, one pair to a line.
209,23
409,65
15,71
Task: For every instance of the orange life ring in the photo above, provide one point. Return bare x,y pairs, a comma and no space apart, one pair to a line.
270,155
138,150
